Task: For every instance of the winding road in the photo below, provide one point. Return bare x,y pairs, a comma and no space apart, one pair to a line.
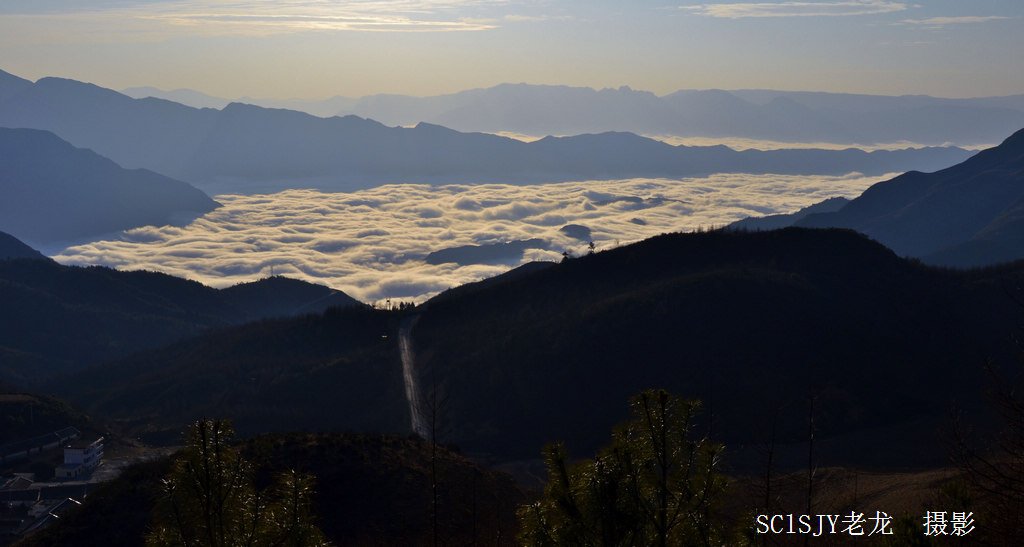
412,392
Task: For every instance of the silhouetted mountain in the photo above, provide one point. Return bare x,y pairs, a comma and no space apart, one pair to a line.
970,214
369,490
325,108
576,231
274,148
57,318
774,222
188,97
771,115
495,253
915,118
12,86
12,247
52,192
794,116
26,415
337,371
145,133
751,323
256,143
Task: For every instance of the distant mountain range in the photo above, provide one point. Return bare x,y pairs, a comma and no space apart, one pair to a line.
53,193
970,214
785,116
324,108
243,147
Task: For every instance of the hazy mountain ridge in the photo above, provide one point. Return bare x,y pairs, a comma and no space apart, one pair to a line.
774,222
248,142
795,116
57,318
52,192
970,214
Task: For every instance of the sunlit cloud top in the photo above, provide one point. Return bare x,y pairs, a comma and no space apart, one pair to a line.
374,244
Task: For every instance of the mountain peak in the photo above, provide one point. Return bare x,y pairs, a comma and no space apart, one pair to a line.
6,79
969,206
12,247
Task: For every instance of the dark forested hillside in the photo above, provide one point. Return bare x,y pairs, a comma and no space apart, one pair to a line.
755,324
57,318
27,415
370,490
335,371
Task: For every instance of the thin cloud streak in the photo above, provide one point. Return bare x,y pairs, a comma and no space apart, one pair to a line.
372,244
797,9
153,22
939,22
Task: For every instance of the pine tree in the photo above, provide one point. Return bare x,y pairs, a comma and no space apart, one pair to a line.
209,499
655,484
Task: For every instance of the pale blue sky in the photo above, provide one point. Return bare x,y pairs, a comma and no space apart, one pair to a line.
320,48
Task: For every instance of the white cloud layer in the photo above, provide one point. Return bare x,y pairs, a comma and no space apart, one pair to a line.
797,9
372,243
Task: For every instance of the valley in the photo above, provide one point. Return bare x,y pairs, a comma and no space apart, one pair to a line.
394,314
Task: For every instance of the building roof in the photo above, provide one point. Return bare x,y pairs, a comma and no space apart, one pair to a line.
84,444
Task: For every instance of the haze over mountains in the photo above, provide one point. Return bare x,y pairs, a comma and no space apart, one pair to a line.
284,149
970,214
52,193
786,116
757,324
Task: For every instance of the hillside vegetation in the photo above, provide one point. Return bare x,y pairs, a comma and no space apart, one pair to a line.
756,325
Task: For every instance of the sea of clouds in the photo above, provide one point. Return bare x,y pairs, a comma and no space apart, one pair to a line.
372,243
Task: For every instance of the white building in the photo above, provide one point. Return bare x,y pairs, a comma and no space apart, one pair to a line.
80,459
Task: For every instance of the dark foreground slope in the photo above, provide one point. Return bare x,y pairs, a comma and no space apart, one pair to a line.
754,324
28,415
58,318
335,371
370,490
970,214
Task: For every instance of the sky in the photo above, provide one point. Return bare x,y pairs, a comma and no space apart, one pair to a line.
316,49
371,244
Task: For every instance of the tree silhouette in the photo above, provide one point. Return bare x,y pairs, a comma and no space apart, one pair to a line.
209,499
995,471
653,485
